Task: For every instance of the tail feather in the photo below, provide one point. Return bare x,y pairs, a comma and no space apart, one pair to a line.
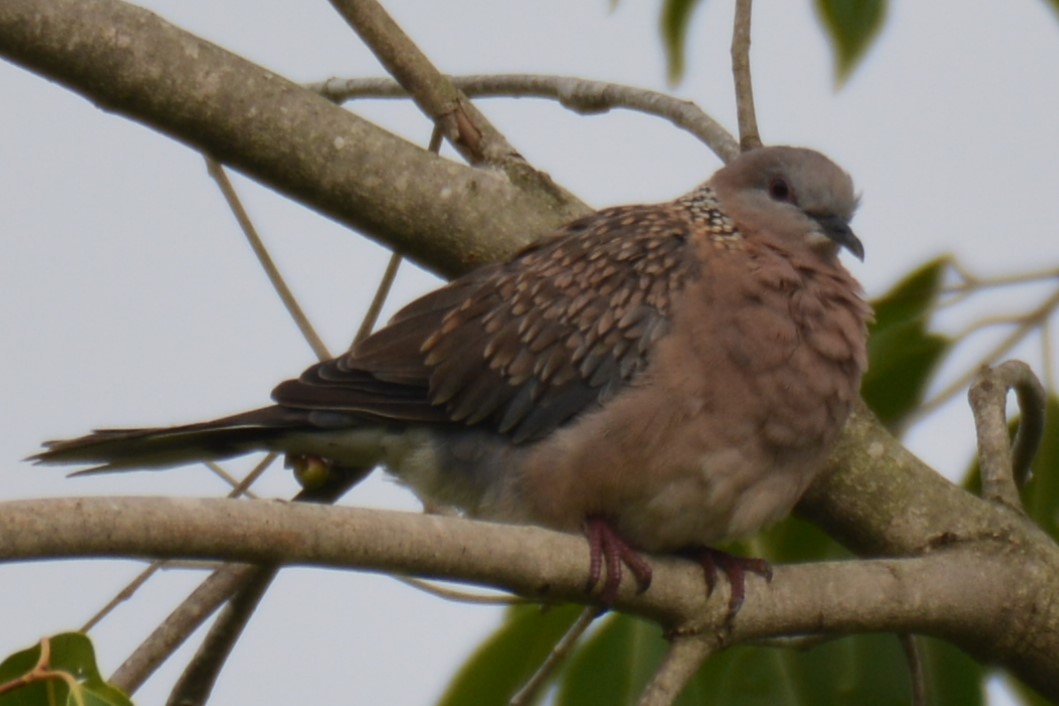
164,447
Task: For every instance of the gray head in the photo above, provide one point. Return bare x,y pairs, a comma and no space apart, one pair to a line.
790,192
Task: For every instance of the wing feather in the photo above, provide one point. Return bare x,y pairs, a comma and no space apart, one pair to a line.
524,346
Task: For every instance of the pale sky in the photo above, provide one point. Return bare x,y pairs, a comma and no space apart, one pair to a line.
133,300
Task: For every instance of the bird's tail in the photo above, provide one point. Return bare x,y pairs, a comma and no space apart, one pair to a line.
164,447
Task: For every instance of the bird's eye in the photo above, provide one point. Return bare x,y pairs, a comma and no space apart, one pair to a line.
780,190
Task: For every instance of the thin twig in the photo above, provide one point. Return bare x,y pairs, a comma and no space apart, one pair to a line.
531,689
749,136
580,95
237,485
243,486
985,323
459,596
293,308
972,282
682,661
123,595
1005,466
1028,323
383,291
916,673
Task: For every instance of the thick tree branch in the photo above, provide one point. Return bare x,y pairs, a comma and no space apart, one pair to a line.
926,594
448,217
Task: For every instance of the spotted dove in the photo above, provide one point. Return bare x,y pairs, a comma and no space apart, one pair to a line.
661,376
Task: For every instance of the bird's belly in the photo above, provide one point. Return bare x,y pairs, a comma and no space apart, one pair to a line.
709,505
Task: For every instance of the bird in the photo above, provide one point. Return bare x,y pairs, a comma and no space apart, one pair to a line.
660,377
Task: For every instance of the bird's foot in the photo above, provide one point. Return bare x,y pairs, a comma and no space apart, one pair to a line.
735,568
607,548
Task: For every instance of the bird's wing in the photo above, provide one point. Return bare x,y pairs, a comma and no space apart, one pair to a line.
523,346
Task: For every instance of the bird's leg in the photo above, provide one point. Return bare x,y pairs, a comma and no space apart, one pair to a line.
735,568
605,546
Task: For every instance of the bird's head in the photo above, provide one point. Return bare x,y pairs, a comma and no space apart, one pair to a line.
790,193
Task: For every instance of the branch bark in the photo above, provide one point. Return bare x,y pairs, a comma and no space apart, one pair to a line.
1017,628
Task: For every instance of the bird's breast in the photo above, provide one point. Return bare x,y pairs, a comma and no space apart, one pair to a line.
733,416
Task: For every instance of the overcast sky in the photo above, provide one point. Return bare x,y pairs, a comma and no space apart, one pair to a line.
131,298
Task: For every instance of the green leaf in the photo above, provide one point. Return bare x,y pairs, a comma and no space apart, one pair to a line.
903,353
674,23
69,676
504,662
852,26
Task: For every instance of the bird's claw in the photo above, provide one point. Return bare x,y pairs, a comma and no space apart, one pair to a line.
736,569
606,547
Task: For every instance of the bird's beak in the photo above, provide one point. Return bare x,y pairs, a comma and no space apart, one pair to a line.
839,231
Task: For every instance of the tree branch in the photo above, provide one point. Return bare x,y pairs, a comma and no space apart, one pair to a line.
264,258
579,95
685,656
1019,629
168,636
749,135
466,128
531,690
446,216
1004,467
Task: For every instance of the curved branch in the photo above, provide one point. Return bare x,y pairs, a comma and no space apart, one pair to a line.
448,217
579,95
1006,466
839,597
